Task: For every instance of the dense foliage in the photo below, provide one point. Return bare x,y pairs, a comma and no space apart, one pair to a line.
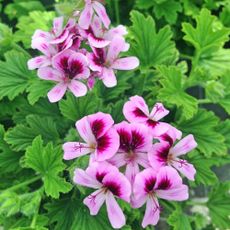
184,63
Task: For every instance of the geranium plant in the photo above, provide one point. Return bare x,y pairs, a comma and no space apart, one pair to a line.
114,114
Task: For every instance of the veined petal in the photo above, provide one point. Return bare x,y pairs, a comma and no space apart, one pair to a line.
132,169
94,201
46,36
158,155
127,63
179,193
84,129
75,149
38,62
93,62
56,93
136,110
78,88
108,77
86,17
158,112
118,160
100,123
81,177
107,145
101,12
120,30
152,212
137,202
184,146
58,25
97,41
43,46
48,73
118,185
184,168
60,38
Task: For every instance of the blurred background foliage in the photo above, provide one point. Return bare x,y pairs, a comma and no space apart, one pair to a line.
183,47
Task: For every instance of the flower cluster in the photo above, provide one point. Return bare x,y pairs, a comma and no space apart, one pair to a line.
137,160
76,53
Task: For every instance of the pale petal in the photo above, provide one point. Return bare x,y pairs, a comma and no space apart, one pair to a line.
60,38
46,36
56,93
43,46
158,112
78,88
75,149
118,160
137,202
58,25
86,17
185,168
93,64
115,214
83,178
84,129
184,146
48,73
109,78
127,63
94,201
101,12
132,169
38,62
152,212
157,128
142,159
97,41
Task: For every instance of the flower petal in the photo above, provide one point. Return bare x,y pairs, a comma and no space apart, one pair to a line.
48,73
56,93
157,128
127,63
118,160
38,62
86,16
152,212
108,77
100,123
75,149
84,129
101,12
184,146
81,177
107,145
185,168
60,38
78,88
158,112
136,110
97,41
132,169
58,25
94,201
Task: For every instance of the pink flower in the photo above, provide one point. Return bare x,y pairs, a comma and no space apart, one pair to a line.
109,183
164,153
69,68
87,14
136,110
106,61
150,185
134,146
101,138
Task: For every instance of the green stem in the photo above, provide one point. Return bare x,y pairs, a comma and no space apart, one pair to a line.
117,13
17,186
186,56
204,101
33,223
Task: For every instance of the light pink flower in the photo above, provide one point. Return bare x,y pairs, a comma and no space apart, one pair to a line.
86,15
109,183
69,68
101,138
135,142
164,153
150,185
136,110
106,61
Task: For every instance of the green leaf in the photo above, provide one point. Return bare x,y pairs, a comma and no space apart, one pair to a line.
74,108
178,220
214,90
224,129
14,75
144,4
168,10
172,91
6,38
28,24
207,34
47,161
76,216
218,204
151,47
203,126
21,136
225,15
